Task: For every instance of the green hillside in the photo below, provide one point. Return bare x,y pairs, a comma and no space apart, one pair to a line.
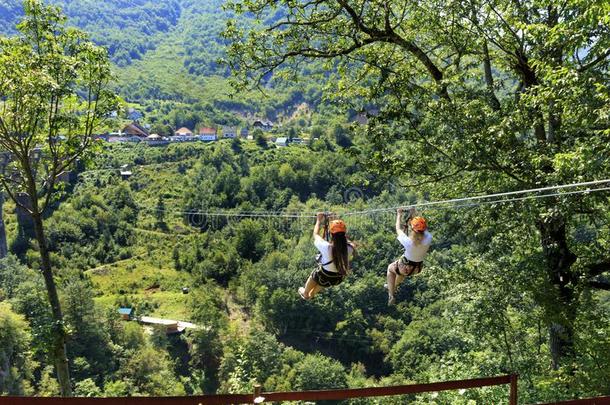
139,242
166,57
169,266
127,30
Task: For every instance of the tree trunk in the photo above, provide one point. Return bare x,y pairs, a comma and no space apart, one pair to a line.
559,259
489,79
59,333
24,219
3,244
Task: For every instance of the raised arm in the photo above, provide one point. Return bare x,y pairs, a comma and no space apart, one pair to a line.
316,227
398,221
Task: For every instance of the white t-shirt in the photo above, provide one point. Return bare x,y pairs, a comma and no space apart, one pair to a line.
326,251
413,252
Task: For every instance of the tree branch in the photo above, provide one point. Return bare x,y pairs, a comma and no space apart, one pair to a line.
390,36
596,269
600,285
595,61
489,80
12,196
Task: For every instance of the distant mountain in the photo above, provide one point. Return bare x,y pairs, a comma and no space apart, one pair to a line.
166,54
127,29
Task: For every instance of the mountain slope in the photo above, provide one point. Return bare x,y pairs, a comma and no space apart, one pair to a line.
167,55
127,29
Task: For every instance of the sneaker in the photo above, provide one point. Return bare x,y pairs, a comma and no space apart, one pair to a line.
391,300
302,293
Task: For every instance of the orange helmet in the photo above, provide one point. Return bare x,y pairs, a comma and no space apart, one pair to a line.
337,226
419,224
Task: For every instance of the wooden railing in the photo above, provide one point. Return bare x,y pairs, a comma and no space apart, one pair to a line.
266,397
395,390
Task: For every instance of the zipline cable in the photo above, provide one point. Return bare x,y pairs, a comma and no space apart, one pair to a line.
496,199
496,195
532,197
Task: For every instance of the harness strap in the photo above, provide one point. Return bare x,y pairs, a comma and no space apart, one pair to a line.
319,257
331,273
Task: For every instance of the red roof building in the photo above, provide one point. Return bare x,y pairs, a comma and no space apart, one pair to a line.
207,131
135,129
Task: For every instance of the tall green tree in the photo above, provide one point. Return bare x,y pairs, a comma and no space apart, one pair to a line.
480,95
53,93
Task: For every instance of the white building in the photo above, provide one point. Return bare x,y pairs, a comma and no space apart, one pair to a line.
281,142
229,132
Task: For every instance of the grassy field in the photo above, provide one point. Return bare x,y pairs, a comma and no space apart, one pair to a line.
147,282
147,278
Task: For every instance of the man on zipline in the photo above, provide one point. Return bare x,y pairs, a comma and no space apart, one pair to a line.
416,246
334,256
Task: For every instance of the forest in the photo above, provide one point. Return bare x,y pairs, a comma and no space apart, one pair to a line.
168,59
468,314
483,98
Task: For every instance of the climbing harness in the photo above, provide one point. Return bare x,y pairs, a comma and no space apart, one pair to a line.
412,268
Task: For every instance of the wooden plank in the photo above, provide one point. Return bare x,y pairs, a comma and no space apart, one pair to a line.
271,396
513,390
385,391
195,400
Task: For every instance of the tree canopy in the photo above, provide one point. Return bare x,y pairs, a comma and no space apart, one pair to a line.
478,95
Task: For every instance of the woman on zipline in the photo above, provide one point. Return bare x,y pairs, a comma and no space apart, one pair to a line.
416,246
334,257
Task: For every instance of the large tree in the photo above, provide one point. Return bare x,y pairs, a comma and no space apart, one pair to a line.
53,93
472,96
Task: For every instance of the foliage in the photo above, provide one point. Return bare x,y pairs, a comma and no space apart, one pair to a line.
53,92
461,98
16,369
498,96
150,371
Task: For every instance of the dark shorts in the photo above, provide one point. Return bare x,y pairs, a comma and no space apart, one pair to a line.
326,278
405,267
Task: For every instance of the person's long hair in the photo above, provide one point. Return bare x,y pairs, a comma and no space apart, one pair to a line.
340,252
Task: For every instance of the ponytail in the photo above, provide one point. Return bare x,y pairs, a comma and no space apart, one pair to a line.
340,252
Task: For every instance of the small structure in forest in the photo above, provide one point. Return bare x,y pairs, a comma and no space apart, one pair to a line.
207,134
126,313
125,172
281,142
170,325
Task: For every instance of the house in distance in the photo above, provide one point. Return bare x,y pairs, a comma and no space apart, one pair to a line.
229,132
126,313
263,124
135,129
207,134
